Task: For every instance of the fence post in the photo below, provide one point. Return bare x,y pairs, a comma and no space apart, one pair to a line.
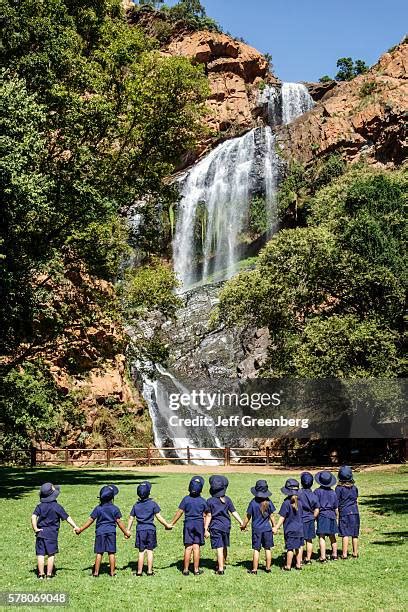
267,455
228,455
33,456
225,456
66,457
148,456
188,456
108,456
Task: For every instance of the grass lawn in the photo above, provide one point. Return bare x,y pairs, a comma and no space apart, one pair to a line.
376,581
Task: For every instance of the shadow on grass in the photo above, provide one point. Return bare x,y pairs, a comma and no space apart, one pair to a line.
394,538
208,564
14,482
389,503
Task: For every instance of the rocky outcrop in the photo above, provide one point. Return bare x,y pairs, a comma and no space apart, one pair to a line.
365,117
319,90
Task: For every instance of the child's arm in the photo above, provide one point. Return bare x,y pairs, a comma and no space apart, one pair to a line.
207,521
88,523
122,527
130,522
278,525
163,521
73,524
237,517
316,513
272,520
245,522
34,519
177,516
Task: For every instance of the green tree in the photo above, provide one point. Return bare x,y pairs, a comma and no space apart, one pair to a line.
348,68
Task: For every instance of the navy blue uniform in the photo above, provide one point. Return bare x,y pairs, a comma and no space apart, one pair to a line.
144,511
328,504
262,536
220,525
194,509
293,524
105,515
309,503
49,514
349,516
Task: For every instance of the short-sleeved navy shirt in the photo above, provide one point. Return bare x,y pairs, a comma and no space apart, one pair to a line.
293,524
309,503
144,511
220,513
347,498
260,522
50,514
328,503
193,507
106,516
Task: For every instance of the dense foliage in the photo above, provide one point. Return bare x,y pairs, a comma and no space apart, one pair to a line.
191,13
332,293
348,69
93,118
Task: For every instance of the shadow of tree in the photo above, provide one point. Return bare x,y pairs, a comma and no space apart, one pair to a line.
394,538
388,503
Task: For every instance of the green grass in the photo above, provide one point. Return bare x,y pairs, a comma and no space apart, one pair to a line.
373,582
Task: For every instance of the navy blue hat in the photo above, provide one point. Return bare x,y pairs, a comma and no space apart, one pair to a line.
291,487
261,489
108,492
218,486
325,479
143,490
49,492
196,485
345,474
306,478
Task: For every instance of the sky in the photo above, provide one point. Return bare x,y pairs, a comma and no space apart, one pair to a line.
306,37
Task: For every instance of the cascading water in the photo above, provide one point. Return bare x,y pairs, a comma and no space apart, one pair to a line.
296,100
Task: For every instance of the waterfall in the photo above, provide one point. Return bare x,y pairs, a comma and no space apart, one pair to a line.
216,194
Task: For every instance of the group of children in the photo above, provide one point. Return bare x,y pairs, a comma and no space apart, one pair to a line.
303,514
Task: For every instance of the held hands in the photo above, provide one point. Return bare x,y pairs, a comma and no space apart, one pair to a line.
77,530
168,526
274,530
127,535
37,530
243,527
207,534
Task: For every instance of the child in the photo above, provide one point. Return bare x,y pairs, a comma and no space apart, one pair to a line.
107,516
291,516
144,511
217,523
349,517
194,507
326,521
45,522
261,510
310,506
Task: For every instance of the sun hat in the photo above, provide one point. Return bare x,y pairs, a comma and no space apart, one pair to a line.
49,492
108,492
218,486
196,485
261,489
291,487
306,478
143,489
345,474
325,479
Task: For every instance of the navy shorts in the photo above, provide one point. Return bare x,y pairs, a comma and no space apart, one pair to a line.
309,530
146,540
193,532
219,539
46,547
326,526
106,542
293,542
349,525
263,539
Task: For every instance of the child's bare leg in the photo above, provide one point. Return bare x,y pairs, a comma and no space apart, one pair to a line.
322,543
40,564
309,549
140,561
149,561
112,564
187,557
345,546
97,566
220,559
225,555
50,565
355,546
299,557
268,559
196,557
333,542
289,558
255,561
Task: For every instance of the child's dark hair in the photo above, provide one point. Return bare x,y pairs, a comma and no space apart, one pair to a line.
264,506
294,502
346,483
